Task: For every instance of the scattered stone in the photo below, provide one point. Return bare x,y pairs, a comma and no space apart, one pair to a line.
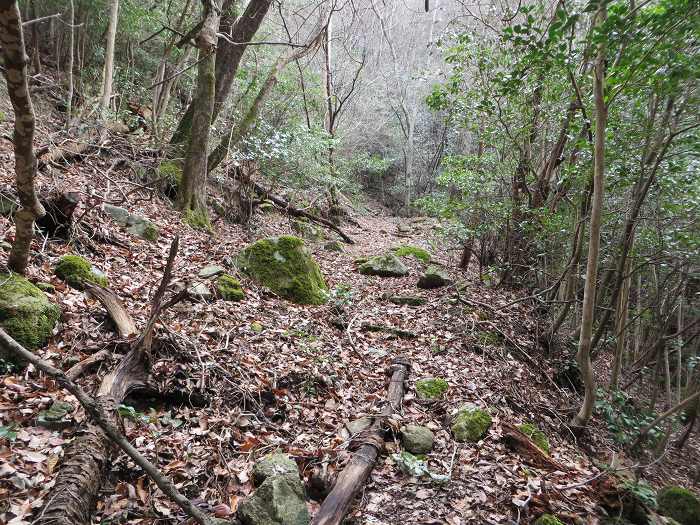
46,287
229,288
433,277
548,519
118,214
286,267
200,291
538,437
333,246
210,271
26,314
470,424
358,425
680,504
278,501
142,227
431,388
408,250
56,416
409,300
76,271
402,228
417,439
384,266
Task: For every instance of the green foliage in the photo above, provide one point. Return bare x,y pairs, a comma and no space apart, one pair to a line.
680,504
640,491
77,271
624,420
470,424
407,250
229,288
548,519
9,432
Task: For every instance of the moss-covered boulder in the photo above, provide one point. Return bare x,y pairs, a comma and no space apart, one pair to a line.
142,227
417,439
407,250
170,177
680,504
548,519
77,271
229,288
431,388
26,314
278,501
538,437
275,464
286,267
434,277
470,424
384,266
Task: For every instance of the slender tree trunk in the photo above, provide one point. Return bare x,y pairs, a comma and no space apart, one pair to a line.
583,355
109,58
15,62
71,51
620,330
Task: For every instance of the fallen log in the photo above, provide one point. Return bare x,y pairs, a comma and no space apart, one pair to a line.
516,440
371,442
296,212
115,308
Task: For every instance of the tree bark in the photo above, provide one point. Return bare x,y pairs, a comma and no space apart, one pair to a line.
15,62
108,72
583,356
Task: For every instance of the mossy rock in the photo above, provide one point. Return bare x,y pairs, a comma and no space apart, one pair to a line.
272,465
333,246
26,314
548,519
142,227
279,500
229,288
434,277
197,219
431,388
77,271
285,266
470,424
384,266
407,250
56,416
680,504
538,437
361,260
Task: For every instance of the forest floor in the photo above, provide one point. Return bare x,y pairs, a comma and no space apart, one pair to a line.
266,374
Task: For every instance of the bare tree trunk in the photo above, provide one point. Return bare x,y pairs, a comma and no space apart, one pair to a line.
583,355
108,72
71,51
620,330
15,62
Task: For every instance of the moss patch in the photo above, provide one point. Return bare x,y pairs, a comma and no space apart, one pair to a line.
536,435
470,424
285,266
407,250
431,388
680,504
229,288
170,176
548,519
77,271
197,219
25,312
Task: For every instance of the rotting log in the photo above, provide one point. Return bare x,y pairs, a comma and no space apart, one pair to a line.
371,442
296,212
518,441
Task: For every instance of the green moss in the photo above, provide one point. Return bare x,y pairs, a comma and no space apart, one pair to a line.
680,504
490,338
471,424
536,435
431,388
548,519
384,266
407,250
170,175
26,314
284,265
197,219
229,288
77,270
150,232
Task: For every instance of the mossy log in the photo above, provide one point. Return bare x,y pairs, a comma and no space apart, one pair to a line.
518,441
371,442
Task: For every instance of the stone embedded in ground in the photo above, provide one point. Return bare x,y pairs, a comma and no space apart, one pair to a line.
56,416
279,500
142,227
229,288
119,215
680,504
358,425
431,388
417,439
285,266
271,465
384,266
538,437
433,277
76,271
408,300
470,424
200,291
333,246
26,314
210,271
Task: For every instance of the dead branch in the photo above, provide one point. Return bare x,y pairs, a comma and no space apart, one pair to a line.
371,443
115,308
79,369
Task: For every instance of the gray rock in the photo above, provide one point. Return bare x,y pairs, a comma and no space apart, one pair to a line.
211,271
118,214
384,266
272,465
142,227
278,501
417,439
200,291
434,277
333,246
358,425
56,417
